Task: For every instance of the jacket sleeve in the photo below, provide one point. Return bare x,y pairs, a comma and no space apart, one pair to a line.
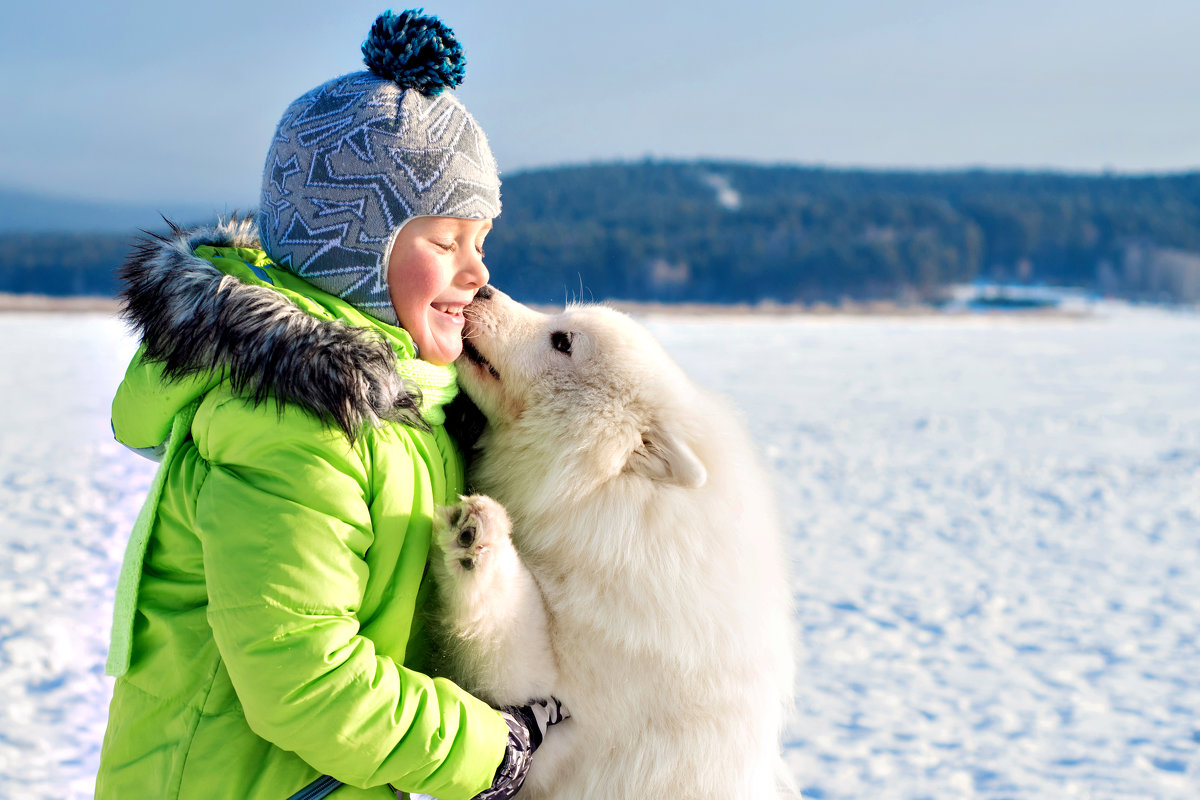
145,404
284,521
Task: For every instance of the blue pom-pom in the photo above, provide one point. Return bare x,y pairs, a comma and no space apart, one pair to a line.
415,51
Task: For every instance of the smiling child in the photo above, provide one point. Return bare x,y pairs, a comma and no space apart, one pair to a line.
267,636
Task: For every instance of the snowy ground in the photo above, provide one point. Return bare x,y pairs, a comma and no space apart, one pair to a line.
995,523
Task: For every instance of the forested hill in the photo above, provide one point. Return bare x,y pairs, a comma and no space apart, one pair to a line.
735,232
732,232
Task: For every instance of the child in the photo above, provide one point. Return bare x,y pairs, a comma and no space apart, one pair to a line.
267,640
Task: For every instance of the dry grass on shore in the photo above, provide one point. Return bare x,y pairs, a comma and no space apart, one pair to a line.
41,303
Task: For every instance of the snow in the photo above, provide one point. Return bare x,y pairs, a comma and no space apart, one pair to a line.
68,496
994,524
727,197
996,533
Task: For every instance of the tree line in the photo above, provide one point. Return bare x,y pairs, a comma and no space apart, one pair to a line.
722,232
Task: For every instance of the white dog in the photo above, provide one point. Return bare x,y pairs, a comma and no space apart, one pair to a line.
643,584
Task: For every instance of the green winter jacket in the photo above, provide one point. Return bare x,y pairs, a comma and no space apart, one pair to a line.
274,630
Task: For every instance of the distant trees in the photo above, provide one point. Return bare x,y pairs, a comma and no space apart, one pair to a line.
731,232
1153,273
658,230
61,264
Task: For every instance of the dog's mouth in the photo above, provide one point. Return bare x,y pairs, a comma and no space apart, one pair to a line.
475,357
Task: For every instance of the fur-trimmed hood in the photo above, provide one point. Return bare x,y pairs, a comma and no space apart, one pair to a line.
193,319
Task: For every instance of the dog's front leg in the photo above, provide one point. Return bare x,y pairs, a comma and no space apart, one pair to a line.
494,623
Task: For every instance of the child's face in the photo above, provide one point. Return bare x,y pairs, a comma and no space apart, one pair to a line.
434,270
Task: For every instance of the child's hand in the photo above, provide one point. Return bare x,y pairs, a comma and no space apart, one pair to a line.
527,726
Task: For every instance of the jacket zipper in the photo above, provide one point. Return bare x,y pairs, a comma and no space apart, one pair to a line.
318,789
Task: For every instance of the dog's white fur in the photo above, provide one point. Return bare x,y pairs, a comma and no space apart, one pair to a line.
643,584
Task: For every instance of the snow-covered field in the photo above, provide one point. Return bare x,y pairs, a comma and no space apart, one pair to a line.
995,525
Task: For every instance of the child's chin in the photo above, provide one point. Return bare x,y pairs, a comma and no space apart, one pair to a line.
442,353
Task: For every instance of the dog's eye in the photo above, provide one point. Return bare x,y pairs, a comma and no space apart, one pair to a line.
561,341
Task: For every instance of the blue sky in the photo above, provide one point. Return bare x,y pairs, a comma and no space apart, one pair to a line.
157,102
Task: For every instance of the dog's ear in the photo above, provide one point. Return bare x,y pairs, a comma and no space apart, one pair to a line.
663,456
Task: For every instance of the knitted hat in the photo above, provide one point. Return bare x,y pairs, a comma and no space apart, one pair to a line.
357,157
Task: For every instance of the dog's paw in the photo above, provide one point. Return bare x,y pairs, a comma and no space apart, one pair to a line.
469,533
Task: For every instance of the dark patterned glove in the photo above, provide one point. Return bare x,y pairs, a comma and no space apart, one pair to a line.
526,727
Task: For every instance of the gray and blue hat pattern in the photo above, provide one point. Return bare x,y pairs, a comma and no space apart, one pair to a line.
350,163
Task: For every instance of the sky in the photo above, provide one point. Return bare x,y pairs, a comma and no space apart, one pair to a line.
149,102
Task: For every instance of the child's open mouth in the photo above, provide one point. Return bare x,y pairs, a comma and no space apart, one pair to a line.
451,311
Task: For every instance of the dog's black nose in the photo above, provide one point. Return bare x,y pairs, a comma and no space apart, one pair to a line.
484,293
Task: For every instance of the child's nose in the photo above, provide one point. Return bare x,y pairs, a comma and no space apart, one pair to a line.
475,274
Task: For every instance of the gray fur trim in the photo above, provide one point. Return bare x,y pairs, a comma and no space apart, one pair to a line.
193,318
